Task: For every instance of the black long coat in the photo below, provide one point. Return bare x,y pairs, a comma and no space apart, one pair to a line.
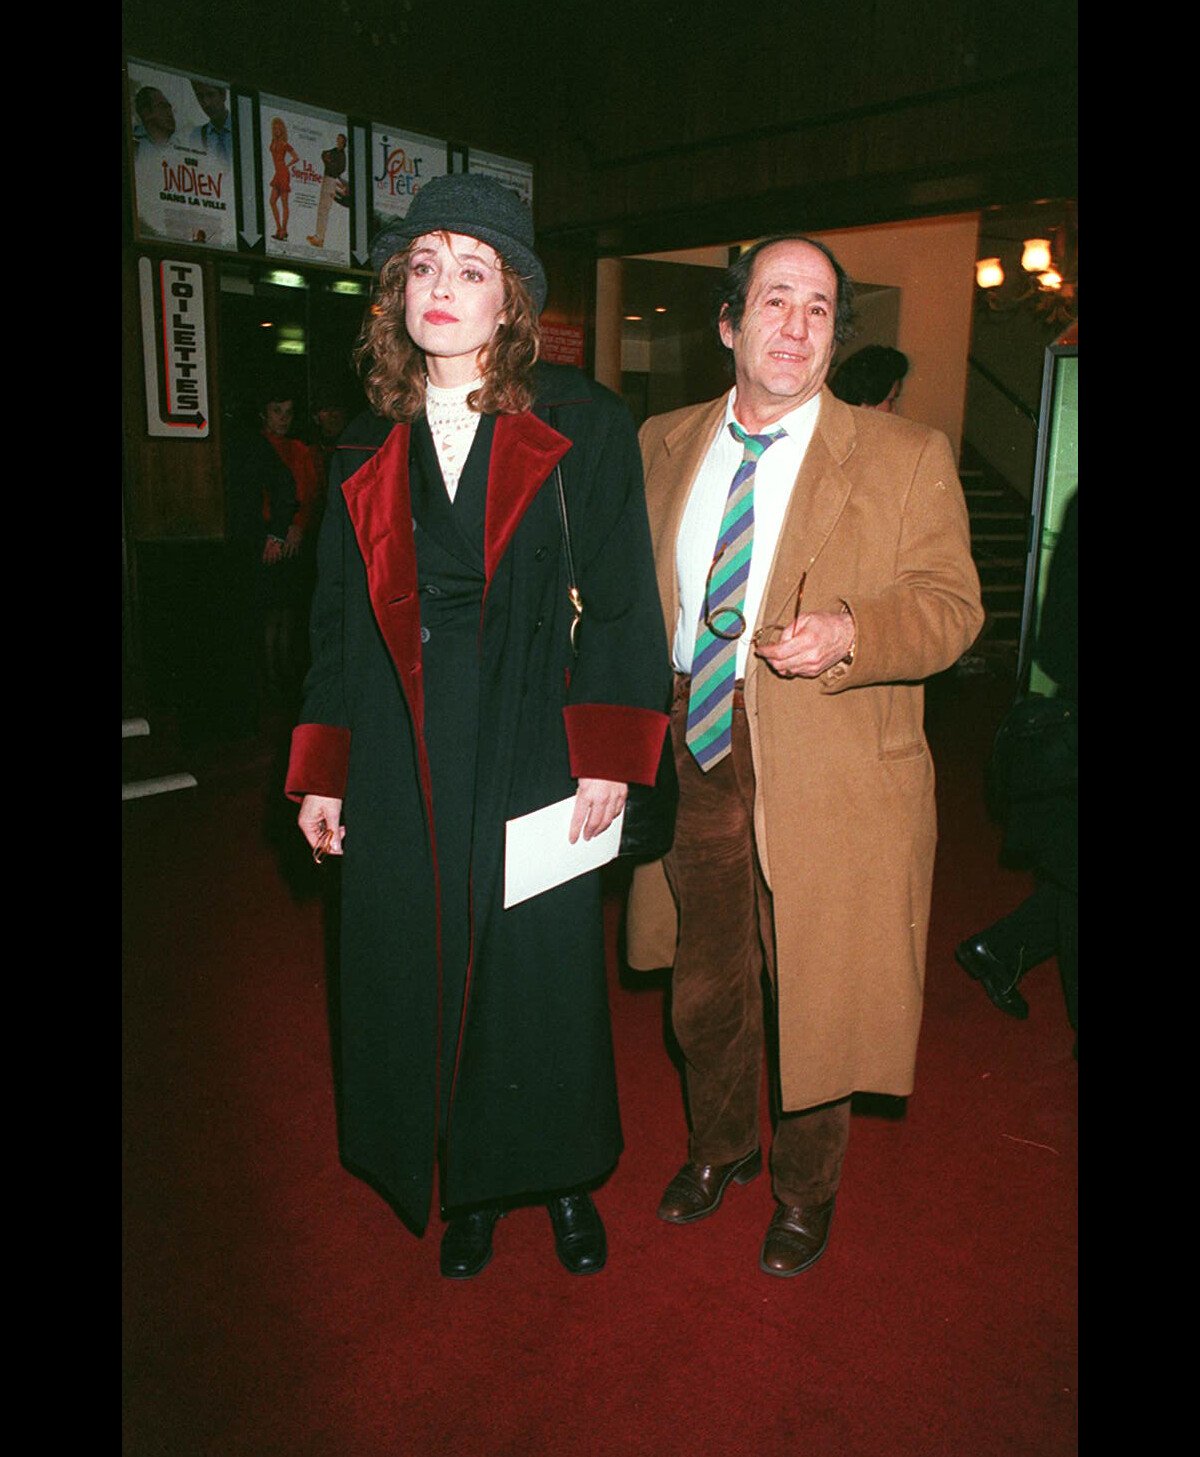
1042,830
532,1104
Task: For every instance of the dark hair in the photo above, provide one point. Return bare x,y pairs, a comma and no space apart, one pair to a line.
732,291
274,391
867,377
395,368
329,394
144,100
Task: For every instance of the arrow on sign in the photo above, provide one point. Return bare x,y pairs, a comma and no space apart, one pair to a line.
361,178
250,233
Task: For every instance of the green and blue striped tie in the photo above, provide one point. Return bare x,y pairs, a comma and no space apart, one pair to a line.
710,701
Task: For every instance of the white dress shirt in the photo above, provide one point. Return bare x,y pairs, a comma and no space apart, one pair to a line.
774,478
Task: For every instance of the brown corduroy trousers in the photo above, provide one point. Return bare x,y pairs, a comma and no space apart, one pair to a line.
726,939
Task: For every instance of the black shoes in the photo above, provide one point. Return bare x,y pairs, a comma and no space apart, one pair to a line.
467,1243
579,1238
996,978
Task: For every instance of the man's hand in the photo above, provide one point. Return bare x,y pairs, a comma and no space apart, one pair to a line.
272,551
810,645
292,541
318,816
597,803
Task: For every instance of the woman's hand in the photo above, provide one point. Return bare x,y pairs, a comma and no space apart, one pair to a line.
320,820
597,803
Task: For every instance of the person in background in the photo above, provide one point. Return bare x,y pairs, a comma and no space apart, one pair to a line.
444,699
261,505
1041,829
873,376
814,565
287,605
330,416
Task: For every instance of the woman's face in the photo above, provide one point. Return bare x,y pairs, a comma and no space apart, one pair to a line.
453,303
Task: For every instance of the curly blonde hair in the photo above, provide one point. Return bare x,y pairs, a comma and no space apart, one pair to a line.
394,367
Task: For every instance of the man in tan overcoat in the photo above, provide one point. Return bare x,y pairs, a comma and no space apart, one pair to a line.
814,565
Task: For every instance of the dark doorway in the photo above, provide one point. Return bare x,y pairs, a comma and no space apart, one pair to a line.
293,330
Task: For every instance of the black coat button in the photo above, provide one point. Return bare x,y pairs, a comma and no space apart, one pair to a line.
424,634
540,554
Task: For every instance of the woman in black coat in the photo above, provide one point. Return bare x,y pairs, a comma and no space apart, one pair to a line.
444,699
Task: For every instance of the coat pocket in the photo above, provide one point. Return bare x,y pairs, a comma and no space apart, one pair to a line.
905,751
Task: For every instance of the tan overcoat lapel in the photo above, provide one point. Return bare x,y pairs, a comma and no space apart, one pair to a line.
818,498
685,447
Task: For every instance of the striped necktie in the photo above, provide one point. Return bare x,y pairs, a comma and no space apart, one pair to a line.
714,663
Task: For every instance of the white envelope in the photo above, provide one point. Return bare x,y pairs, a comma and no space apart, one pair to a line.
539,856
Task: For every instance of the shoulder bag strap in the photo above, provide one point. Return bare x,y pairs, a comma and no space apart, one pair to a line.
572,585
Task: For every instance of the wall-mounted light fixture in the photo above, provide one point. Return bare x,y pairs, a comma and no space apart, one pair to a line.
1048,281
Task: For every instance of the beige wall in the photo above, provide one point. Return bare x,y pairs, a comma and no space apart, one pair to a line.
932,262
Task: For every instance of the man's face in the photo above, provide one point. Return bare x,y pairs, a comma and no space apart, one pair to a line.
783,349
331,420
157,114
212,101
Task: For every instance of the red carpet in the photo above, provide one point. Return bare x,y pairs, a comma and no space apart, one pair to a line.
275,1305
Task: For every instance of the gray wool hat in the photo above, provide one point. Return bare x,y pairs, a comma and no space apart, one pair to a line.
478,206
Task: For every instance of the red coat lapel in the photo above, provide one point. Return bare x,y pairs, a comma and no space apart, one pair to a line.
524,452
380,510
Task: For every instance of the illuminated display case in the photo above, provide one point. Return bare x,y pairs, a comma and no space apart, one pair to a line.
1055,481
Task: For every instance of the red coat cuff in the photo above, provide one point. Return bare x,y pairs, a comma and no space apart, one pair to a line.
608,741
319,761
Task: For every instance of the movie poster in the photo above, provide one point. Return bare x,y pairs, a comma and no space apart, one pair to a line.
401,164
514,174
306,182
181,134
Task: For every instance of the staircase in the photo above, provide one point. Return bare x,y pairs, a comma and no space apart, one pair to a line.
147,765
999,542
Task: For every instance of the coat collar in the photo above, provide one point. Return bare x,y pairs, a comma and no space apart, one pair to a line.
818,499
379,503
524,452
685,446
688,442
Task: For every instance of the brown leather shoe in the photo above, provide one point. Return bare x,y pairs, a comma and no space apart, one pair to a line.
796,1238
697,1189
